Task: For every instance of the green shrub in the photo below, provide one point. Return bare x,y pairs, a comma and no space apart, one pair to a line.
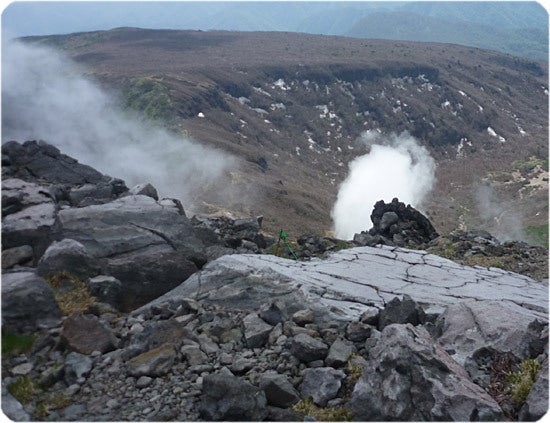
333,414
522,381
151,97
23,389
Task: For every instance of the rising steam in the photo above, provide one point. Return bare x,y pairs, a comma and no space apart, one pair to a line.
396,166
45,96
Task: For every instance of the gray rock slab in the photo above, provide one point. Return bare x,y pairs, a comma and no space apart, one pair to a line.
256,331
128,224
350,281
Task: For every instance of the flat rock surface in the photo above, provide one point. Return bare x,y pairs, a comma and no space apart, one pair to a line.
350,281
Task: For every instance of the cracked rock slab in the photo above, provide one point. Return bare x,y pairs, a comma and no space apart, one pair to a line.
351,281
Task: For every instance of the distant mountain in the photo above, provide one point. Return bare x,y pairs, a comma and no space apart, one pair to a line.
518,28
499,14
405,25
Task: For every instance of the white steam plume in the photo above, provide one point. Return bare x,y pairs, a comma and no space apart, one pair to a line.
45,96
396,166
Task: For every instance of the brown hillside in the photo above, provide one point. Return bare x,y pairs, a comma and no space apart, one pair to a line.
293,105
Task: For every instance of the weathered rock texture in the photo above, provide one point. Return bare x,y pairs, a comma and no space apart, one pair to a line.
350,281
420,382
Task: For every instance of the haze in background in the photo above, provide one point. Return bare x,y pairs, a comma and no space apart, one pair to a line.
45,96
396,166
518,28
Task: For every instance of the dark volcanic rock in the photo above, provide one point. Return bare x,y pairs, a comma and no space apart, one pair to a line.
410,377
397,224
278,390
27,303
307,349
37,160
401,311
226,397
322,384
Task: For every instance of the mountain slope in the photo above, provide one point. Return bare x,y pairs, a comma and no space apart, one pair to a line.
406,25
293,105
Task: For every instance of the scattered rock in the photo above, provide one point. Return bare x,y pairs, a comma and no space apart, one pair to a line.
77,366
401,311
303,317
226,397
256,331
308,349
278,390
16,255
144,189
156,362
86,334
106,289
322,384
339,352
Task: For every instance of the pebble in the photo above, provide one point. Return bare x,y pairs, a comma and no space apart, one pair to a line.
22,369
143,382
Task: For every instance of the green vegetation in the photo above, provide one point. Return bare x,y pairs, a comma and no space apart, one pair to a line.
23,389
527,166
522,381
538,234
334,414
51,402
150,96
13,344
70,292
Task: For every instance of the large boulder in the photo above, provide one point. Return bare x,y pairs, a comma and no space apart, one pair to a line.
28,303
410,377
148,245
68,255
472,332
227,397
468,326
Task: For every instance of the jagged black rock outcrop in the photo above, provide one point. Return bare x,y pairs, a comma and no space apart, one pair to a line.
397,224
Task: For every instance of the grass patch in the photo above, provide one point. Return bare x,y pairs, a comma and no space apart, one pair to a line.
70,292
335,414
13,344
538,235
23,389
522,381
150,96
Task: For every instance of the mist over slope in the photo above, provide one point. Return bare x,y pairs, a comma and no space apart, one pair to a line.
294,106
46,97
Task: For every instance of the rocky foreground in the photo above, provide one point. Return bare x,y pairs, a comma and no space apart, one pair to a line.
116,306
